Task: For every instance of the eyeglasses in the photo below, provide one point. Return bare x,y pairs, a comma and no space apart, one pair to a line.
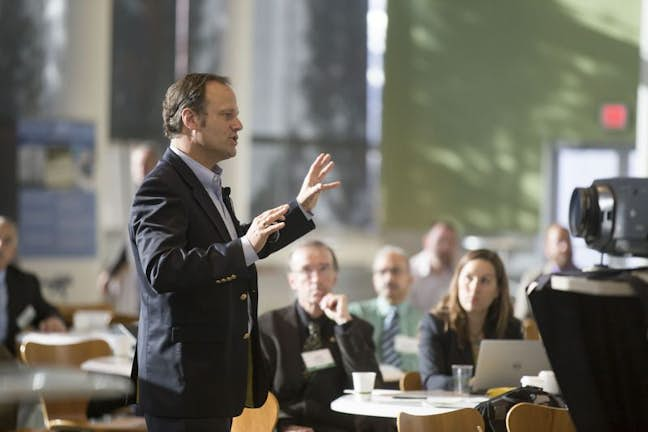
396,271
320,270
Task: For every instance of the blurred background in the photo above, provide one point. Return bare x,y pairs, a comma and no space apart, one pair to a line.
486,114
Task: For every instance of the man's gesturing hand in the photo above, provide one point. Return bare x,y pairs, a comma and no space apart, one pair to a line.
312,185
267,223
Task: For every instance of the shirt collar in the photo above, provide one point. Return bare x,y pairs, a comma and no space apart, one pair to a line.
384,308
3,276
207,177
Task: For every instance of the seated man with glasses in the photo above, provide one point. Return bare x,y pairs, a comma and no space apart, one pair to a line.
313,345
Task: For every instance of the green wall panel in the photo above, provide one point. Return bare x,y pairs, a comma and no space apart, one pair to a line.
473,91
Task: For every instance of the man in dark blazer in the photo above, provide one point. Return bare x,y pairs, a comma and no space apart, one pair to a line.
21,304
306,376
198,355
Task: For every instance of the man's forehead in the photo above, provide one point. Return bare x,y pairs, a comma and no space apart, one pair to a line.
221,96
558,233
391,260
311,255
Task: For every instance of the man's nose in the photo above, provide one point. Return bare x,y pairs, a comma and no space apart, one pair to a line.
238,125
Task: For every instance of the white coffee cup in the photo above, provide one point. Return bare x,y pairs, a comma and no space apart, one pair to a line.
363,383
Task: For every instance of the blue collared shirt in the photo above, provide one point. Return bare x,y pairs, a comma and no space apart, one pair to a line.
211,181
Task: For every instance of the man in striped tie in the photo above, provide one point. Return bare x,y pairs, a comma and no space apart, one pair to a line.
394,320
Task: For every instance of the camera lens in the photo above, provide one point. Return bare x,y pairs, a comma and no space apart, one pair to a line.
583,212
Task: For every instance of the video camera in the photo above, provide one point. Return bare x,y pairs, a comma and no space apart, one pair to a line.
594,324
612,215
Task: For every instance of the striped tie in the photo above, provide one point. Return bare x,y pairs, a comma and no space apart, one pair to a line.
391,328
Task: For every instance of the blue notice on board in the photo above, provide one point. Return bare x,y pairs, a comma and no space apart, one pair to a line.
56,196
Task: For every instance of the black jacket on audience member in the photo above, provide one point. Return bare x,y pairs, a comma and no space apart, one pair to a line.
305,399
23,291
439,349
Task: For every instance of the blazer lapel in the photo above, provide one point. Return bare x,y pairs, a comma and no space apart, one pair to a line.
293,339
199,192
230,208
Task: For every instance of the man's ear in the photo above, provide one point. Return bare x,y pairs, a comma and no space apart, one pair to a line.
190,119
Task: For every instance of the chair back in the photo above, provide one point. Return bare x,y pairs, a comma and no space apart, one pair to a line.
70,355
465,420
530,329
262,419
410,380
527,417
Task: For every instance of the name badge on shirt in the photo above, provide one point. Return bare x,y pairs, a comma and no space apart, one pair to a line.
406,344
318,359
26,317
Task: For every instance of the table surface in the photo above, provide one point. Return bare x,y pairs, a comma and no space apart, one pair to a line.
18,383
388,403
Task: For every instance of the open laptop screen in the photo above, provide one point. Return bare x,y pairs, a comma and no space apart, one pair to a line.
503,362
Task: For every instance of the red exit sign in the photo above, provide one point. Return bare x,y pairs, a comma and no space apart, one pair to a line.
614,116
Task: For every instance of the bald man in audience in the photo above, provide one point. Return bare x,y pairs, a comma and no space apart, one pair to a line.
432,267
393,318
21,304
558,253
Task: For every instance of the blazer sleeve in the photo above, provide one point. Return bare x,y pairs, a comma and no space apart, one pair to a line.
355,340
160,227
43,309
433,351
119,262
296,225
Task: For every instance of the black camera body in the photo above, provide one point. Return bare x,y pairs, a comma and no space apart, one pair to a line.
612,215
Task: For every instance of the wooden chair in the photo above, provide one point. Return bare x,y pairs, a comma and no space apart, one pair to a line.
410,381
70,414
262,419
464,420
527,417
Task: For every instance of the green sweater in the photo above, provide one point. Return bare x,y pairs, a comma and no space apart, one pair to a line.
375,310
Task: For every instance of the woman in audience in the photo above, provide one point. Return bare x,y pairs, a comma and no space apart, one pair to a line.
477,307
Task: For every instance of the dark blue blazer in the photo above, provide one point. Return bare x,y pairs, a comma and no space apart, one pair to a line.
198,314
24,291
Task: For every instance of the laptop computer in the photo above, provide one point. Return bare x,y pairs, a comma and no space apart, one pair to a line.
503,362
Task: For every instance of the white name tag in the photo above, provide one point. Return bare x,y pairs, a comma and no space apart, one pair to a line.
318,359
26,317
406,344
